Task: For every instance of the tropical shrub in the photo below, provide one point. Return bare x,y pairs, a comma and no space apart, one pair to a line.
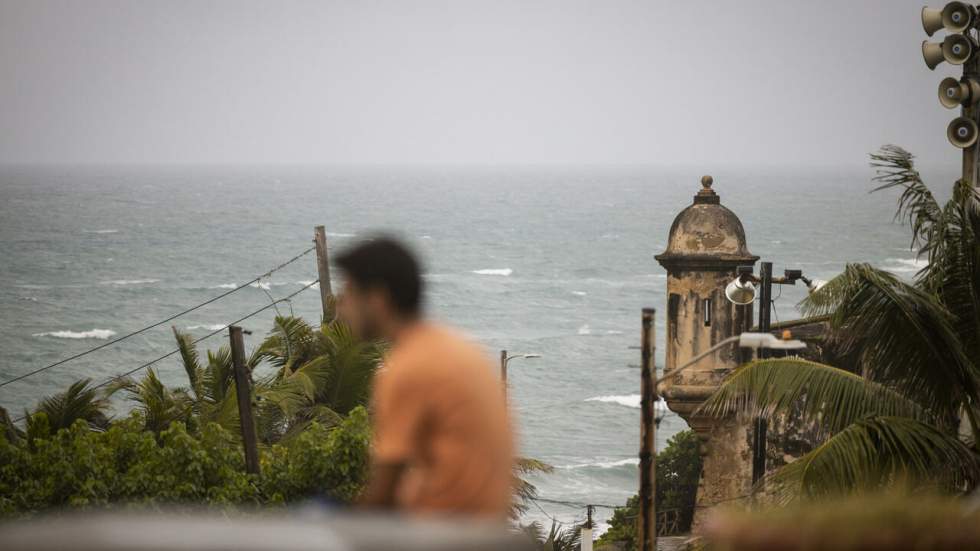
678,471
127,465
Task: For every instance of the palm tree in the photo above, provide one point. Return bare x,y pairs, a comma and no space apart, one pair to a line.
80,402
320,375
558,538
915,344
159,406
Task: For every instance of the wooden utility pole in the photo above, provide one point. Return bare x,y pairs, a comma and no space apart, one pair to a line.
648,435
323,269
503,369
585,541
243,390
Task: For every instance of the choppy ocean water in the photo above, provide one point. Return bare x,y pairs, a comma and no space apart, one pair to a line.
554,261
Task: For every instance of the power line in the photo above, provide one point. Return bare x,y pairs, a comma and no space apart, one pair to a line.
578,504
195,341
159,323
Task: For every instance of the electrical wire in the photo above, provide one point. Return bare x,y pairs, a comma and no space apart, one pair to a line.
157,324
195,341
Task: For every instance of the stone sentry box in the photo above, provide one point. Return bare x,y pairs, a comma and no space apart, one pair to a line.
705,248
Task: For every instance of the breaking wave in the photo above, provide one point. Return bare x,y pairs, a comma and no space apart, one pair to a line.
905,265
603,464
101,334
130,281
629,400
102,231
224,286
209,327
494,271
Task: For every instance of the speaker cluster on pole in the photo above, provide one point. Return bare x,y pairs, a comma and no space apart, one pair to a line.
960,20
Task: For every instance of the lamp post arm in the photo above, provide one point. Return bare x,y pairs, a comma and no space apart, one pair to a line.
697,358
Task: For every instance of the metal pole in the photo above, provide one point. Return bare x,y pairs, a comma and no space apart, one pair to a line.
323,270
243,390
761,426
648,435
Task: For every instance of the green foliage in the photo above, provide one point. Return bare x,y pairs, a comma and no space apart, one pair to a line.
331,461
678,471
126,464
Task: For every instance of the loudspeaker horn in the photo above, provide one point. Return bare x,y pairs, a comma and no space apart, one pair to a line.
932,20
953,93
962,132
958,16
957,49
932,53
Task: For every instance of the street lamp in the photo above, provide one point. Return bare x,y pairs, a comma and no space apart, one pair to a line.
505,359
756,341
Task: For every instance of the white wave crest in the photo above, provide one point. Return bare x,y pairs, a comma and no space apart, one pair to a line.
209,327
341,234
309,282
585,330
224,286
101,334
260,285
603,464
629,400
905,265
103,232
130,281
579,293
32,299
494,271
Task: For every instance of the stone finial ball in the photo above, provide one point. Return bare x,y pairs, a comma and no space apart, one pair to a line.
706,181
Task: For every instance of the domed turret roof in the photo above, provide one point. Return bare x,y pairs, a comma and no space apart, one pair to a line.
706,235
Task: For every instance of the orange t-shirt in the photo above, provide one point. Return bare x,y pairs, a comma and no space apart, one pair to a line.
439,409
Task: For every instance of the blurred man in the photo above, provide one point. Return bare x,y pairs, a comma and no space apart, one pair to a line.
442,439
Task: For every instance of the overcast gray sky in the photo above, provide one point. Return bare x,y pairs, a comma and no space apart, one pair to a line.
405,81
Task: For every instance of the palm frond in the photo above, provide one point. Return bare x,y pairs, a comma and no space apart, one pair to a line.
80,401
833,397
289,344
905,337
916,205
160,406
875,452
190,360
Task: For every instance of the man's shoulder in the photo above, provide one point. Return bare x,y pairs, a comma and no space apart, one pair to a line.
431,344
